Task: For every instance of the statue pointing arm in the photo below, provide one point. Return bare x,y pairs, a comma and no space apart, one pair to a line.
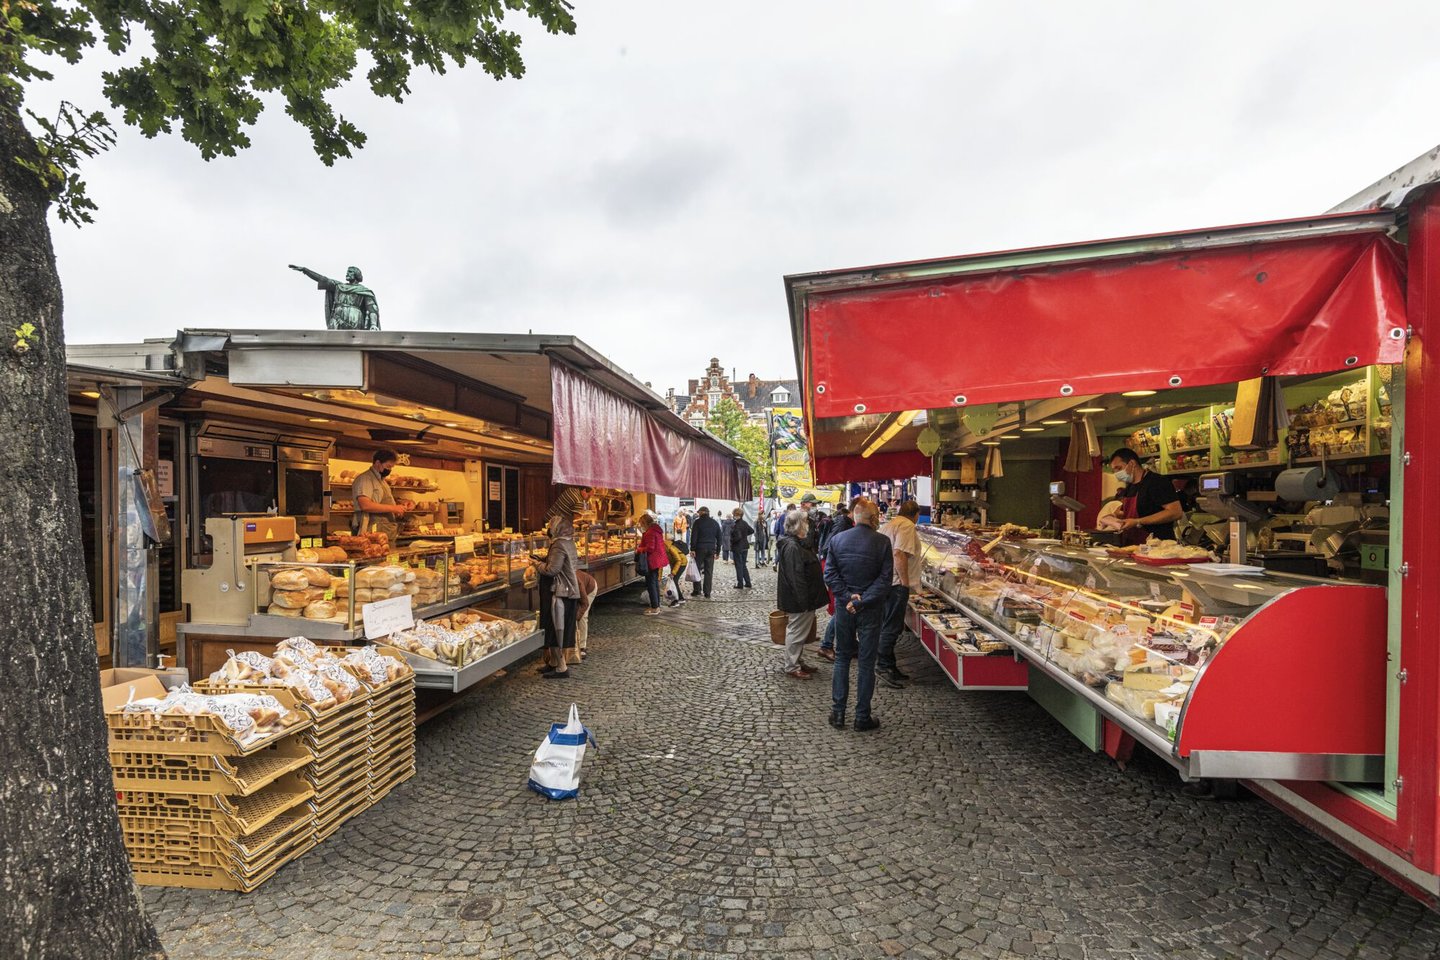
319,278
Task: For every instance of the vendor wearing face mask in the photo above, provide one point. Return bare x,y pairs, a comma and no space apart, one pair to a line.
1151,504
375,506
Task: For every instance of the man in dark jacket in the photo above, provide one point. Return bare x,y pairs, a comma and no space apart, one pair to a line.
858,571
800,591
704,544
740,531
762,541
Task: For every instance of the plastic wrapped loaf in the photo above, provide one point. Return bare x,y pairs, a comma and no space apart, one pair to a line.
249,716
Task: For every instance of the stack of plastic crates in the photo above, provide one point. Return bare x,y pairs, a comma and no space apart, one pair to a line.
199,810
392,732
339,745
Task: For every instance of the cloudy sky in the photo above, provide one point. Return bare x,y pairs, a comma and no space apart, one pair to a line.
652,178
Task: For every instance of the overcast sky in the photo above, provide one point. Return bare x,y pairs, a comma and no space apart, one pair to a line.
652,178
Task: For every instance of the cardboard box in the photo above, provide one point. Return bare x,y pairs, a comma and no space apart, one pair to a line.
115,686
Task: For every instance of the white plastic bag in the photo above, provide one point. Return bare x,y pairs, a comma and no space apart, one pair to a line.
672,589
692,572
555,773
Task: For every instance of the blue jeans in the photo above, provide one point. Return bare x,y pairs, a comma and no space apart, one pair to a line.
892,624
652,586
742,573
856,636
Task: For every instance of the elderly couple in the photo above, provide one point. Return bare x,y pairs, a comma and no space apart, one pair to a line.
858,570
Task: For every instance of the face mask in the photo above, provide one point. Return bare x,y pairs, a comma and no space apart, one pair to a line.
386,472
1123,476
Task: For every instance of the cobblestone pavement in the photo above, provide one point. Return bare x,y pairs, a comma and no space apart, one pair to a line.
722,817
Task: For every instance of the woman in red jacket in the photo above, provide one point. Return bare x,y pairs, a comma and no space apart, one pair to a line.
652,546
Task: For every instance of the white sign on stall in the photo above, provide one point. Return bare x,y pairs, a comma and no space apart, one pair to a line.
465,544
384,617
165,477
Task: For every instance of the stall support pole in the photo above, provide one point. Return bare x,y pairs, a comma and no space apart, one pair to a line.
137,567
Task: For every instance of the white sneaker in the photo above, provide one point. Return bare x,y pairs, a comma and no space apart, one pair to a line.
651,612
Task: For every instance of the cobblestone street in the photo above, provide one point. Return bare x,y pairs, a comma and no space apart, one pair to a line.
723,817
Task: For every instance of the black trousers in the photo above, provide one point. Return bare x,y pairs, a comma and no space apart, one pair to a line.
706,561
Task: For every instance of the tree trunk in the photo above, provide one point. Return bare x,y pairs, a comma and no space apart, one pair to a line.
65,883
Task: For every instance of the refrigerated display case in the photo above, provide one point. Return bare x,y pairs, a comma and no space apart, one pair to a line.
1223,672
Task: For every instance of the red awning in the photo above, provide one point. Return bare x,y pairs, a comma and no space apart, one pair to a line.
1208,308
900,465
604,440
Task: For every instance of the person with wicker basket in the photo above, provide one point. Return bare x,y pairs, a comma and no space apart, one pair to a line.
800,591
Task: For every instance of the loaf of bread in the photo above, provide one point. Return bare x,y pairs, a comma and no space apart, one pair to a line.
290,598
289,580
316,576
320,610
279,611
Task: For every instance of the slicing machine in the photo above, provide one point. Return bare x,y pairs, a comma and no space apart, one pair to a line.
224,592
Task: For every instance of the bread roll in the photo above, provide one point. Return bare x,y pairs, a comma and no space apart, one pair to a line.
278,611
307,556
289,580
320,610
290,598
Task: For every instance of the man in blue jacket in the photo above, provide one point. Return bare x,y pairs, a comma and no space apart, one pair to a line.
704,544
858,570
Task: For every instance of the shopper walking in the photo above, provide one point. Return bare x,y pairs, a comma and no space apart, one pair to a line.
562,567
905,549
704,544
800,591
762,541
740,531
858,571
682,526
675,550
588,591
652,547
726,525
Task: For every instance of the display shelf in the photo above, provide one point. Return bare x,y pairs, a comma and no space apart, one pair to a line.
1176,451
431,676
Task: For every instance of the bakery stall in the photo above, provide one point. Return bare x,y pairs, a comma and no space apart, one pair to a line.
1275,638
494,435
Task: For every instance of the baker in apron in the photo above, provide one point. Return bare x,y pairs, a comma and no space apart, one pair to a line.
375,506
1151,505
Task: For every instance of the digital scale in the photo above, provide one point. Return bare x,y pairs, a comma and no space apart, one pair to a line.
1070,505
1219,497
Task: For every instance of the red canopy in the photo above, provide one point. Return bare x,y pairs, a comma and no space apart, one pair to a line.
604,440
1310,302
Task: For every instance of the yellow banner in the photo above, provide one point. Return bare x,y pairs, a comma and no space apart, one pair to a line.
787,429
792,458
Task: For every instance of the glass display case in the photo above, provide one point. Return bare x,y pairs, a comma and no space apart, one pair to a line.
1178,655
485,570
602,542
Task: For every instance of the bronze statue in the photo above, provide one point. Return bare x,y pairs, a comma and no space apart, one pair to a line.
348,305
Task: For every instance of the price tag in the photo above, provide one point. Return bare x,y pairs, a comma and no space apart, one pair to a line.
465,544
329,593
393,559
1154,591
384,617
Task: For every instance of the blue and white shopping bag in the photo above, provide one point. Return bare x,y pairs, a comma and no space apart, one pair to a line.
556,770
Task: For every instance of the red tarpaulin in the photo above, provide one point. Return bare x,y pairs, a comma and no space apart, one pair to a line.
1204,316
900,465
604,440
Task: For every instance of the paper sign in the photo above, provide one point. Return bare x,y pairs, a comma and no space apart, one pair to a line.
494,489
384,617
465,544
165,477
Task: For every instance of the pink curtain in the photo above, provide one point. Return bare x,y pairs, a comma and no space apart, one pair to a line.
604,440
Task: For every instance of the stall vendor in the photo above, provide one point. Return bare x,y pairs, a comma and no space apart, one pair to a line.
375,506
1151,504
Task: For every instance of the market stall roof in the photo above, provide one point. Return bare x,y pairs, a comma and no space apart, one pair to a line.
496,392
1071,322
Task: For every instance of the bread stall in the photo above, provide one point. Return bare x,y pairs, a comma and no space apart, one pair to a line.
491,433
1276,637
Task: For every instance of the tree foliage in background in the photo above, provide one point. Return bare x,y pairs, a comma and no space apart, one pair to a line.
729,422
204,69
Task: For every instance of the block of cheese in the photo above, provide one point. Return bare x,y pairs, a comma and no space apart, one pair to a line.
1138,678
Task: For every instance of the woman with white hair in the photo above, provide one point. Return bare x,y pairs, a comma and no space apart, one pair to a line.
800,591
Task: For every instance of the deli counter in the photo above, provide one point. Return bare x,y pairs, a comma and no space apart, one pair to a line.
1223,671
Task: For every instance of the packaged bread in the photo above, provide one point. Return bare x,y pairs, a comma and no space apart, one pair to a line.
288,580
290,598
278,611
378,577
413,589
427,577
320,610
303,647
395,590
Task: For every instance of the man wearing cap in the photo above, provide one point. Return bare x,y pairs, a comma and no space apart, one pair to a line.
905,544
704,544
